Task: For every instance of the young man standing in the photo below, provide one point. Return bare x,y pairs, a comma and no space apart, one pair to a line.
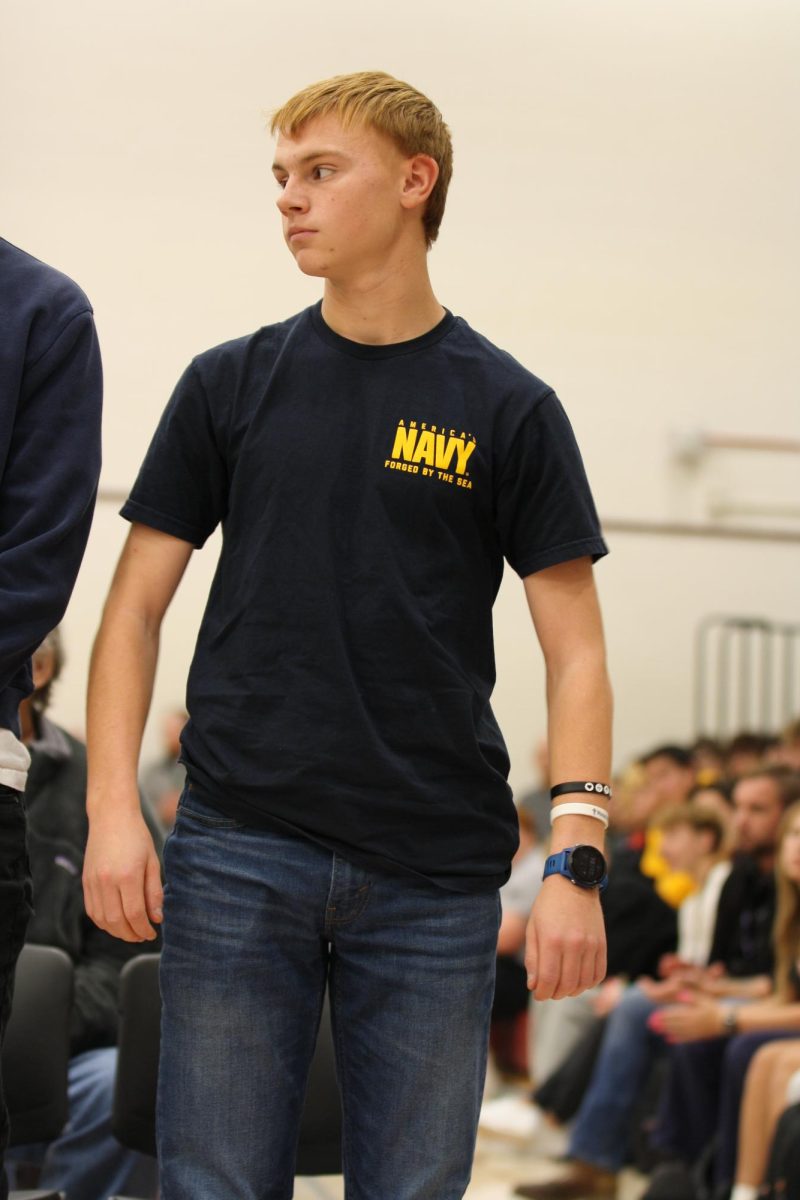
347,817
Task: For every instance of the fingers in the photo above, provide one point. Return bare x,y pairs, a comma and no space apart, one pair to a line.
567,965
566,942
119,907
122,878
153,891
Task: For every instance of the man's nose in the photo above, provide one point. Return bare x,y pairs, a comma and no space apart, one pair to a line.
292,198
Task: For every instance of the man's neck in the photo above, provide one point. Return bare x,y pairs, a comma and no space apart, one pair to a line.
702,869
382,309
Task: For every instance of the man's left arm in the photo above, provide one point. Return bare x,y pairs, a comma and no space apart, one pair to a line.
566,942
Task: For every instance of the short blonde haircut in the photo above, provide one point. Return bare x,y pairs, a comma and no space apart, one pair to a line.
378,100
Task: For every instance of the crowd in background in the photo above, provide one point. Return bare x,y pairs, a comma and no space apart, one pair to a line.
658,1066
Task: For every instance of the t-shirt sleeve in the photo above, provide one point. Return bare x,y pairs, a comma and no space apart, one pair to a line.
182,486
544,509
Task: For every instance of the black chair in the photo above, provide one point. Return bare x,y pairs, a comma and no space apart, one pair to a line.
36,1051
133,1117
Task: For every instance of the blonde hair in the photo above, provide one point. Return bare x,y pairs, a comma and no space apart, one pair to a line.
786,935
378,100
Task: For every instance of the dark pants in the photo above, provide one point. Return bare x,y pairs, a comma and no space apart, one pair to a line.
701,1101
510,988
15,910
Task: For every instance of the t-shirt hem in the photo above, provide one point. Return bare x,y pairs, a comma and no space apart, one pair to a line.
259,818
132,510
594,547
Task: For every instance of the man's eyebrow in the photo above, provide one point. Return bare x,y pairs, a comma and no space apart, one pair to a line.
306,158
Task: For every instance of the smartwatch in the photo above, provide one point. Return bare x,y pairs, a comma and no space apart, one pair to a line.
584,866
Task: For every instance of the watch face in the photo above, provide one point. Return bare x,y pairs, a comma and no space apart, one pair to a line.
588,865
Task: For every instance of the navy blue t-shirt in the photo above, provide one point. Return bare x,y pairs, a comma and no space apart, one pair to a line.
368,496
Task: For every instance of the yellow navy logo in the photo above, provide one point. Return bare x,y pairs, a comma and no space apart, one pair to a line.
434,451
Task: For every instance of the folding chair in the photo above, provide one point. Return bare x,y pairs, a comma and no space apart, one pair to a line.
36,1051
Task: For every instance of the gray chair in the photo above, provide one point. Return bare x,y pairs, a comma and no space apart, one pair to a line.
133,1116
35,1053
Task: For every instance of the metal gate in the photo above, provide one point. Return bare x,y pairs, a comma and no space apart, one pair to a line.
746,675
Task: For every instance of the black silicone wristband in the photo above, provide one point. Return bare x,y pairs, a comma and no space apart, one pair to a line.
584,787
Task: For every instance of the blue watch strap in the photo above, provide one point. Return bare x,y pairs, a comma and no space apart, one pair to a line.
560,864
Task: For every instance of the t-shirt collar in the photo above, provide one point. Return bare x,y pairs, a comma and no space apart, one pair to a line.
367,351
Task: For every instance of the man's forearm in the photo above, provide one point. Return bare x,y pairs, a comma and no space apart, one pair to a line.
579,740
121,681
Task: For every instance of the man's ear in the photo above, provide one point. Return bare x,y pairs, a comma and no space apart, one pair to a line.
422,171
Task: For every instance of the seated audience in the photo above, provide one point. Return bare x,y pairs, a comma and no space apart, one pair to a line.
713,1033
741,959
86,1162
746,752
708,760
667,779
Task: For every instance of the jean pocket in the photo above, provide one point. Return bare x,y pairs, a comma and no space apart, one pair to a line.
193,809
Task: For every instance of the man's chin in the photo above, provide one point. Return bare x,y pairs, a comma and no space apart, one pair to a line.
309,266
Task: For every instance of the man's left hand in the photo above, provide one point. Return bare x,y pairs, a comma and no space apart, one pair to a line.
566,941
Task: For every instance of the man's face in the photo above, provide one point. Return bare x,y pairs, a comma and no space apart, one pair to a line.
685,847
757,812
340,198
666,781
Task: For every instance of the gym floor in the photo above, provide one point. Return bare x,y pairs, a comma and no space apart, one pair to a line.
499,1166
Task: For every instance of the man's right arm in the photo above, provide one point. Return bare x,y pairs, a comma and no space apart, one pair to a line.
122,875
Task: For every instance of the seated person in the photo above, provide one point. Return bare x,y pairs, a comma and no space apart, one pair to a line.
86,1161
770,1076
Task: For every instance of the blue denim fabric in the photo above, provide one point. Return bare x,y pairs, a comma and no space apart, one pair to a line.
255,922
86,1161
601,1133
701,1100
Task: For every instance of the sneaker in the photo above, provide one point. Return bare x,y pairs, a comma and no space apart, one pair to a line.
512,1117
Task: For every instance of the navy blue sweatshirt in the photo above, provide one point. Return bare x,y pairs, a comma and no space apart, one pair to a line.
50,403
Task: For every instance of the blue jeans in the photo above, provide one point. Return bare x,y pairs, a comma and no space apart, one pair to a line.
601,1133
255,924
700,1103
86,1161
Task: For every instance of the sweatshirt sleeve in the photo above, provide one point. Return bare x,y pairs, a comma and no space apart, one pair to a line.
47,494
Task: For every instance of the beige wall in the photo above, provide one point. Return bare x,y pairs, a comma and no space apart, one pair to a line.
623,218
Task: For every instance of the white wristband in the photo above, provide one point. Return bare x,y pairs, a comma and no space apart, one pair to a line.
579,810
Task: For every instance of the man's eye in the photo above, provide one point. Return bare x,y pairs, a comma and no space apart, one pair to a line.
322,172
280,182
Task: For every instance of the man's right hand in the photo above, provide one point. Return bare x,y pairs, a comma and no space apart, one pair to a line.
122,877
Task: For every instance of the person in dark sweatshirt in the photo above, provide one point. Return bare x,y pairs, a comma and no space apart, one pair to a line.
50,406
85,1162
